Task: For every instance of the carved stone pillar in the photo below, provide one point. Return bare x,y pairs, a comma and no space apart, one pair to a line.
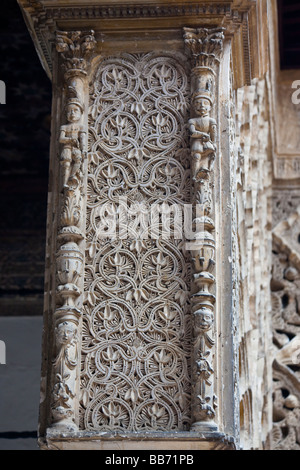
205,47
141,332
74,48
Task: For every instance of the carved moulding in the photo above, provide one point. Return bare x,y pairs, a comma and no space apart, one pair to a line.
205,46
239,17
75,48
94,440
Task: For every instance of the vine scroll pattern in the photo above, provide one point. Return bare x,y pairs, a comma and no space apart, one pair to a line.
136,340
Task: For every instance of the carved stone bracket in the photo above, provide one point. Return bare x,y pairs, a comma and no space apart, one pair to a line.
205,48
75,49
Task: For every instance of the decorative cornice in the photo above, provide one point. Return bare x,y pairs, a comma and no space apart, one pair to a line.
44,18
138,11
127,11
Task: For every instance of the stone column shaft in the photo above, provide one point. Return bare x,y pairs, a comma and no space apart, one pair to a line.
205,47
74,48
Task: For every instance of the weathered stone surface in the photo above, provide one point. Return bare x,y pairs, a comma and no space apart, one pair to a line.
254,237
136,319
164,340
285,289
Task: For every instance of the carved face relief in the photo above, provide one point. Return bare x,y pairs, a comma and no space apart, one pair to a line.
66,333
204,319
73,113
202,106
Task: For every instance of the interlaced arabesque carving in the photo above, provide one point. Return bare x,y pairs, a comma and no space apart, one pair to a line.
136,340
285,288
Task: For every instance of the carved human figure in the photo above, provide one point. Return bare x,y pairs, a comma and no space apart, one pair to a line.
204,370
73,139
61,407
65,363
203,132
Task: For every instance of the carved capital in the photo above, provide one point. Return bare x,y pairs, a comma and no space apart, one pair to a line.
75,48
205,45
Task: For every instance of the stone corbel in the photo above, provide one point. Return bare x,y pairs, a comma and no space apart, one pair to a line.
205,48
75,49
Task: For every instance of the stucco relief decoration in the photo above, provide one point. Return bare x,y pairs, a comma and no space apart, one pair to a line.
285,287
136,332
74,47
205,48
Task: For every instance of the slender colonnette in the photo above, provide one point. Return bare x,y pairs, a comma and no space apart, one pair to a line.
205,47
75,48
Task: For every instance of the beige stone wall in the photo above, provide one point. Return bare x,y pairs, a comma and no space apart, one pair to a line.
253,209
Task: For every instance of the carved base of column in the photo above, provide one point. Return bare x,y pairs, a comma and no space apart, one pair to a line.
92,440
204,426
67,426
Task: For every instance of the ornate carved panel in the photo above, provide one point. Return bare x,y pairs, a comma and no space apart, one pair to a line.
285,288
141,335
136,340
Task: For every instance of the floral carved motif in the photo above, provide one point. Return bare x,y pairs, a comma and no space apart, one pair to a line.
205,45
136,341
75,48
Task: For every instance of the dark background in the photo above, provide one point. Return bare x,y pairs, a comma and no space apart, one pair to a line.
289,33
24,152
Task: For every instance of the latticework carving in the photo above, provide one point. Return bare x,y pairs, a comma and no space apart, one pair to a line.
136,340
